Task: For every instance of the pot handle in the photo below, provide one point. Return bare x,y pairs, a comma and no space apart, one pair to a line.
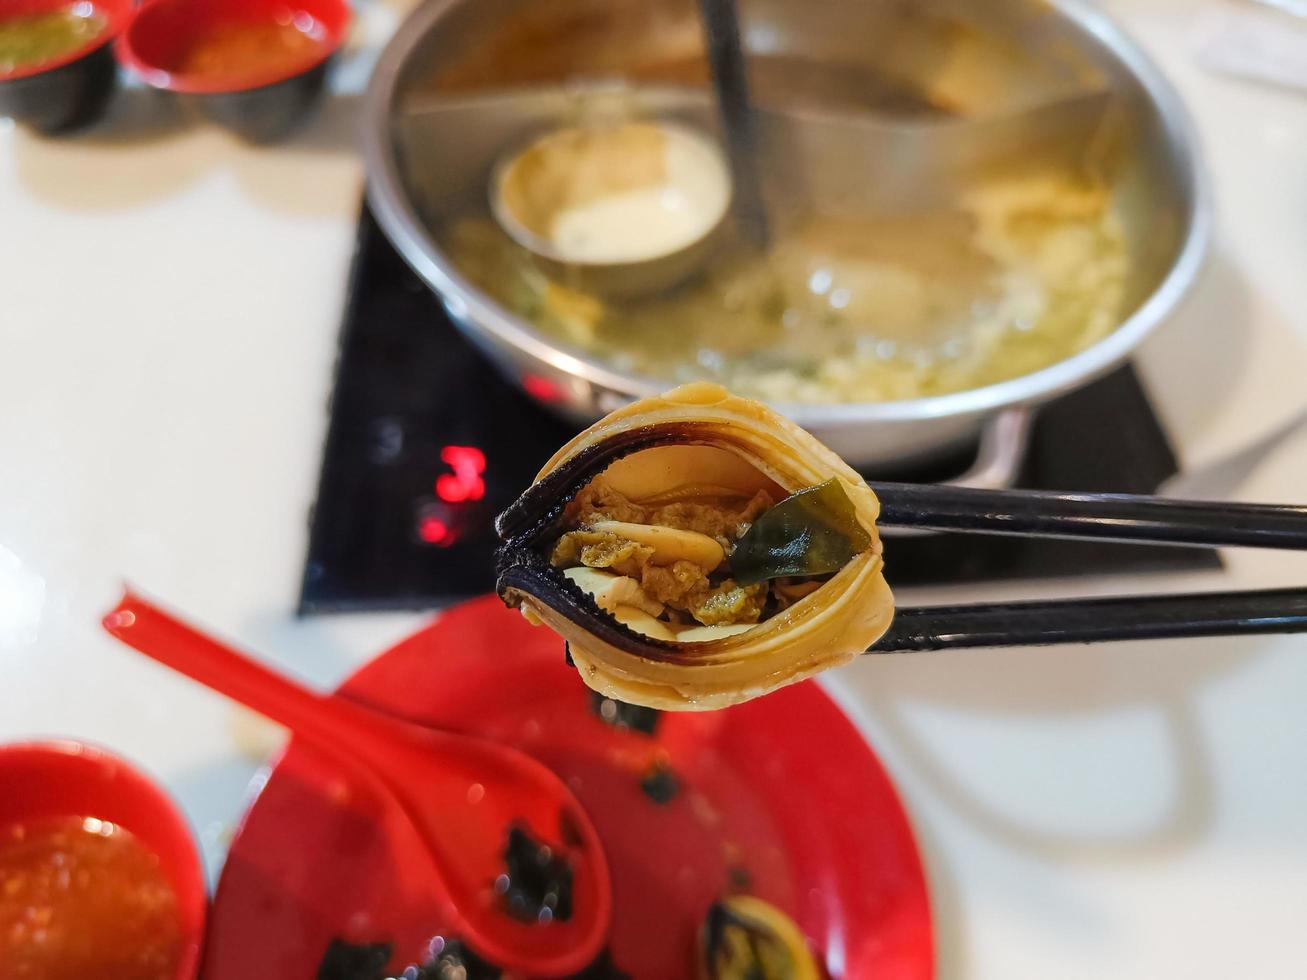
1002,450
1003,441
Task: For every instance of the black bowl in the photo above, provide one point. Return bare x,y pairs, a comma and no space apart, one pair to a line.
62,98
266,113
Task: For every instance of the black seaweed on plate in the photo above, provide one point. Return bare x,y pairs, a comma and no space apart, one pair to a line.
619,714
660,783
351,961
455,962
602,969
538,886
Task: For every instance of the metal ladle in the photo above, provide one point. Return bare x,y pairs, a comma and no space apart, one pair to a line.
836,162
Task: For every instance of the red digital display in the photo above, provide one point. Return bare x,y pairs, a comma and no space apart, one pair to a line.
433,530
541,388
466,482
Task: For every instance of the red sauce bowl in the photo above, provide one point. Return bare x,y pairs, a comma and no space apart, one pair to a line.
43,780
259,102
72,89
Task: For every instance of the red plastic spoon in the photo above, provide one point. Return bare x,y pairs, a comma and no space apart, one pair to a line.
462,793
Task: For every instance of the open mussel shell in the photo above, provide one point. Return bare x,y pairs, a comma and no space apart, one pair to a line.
745,938
695,441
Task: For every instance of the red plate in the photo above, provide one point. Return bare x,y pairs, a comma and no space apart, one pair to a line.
781,792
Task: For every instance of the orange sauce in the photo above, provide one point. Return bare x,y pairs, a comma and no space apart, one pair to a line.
236,50
83,898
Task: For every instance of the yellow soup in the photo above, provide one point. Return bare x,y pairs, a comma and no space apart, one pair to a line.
37,38
1017,275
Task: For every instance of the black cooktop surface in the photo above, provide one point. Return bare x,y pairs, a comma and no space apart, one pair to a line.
426,443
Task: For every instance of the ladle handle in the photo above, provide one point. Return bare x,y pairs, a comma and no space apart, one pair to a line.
721,25
327,721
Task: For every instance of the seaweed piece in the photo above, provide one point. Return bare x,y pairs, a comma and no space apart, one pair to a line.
741,878
812,532
354,961
538,886
660,783
455,960
367,961
619,714
602,969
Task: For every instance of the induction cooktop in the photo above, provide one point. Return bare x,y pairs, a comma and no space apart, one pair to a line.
427,442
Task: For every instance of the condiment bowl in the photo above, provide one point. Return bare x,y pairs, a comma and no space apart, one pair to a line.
72,89
41,780
620,209
253,92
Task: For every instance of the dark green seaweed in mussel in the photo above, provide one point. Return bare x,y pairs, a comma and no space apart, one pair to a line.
538,885
619,714
350,961
811,532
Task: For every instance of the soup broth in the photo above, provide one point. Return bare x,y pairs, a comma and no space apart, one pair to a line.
1016,276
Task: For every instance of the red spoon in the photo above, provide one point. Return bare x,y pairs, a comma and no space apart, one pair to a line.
462,793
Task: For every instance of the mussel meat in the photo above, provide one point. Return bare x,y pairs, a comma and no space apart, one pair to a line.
696,549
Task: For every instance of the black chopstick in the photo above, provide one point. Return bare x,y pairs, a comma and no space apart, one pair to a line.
1105,516
1095,620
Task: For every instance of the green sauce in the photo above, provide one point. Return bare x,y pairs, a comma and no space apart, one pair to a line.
36,38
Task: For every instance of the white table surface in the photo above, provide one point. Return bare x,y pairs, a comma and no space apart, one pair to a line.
170,303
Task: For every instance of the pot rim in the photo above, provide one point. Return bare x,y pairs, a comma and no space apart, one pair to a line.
474,311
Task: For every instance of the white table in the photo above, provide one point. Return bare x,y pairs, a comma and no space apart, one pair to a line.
168,315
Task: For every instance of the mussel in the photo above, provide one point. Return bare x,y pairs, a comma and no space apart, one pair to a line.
745,938
696,549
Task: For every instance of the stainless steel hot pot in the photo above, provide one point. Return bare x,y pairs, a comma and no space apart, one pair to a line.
831,50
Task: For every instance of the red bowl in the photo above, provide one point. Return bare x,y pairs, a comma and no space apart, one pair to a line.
156,43
63,779
70,90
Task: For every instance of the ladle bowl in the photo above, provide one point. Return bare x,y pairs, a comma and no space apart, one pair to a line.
621,209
